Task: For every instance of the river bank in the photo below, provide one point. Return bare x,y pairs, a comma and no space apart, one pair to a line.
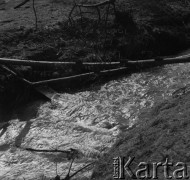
140,30
94,120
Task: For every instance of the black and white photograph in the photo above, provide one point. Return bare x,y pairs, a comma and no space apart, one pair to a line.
94,89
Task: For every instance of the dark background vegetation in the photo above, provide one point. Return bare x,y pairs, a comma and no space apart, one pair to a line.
139,30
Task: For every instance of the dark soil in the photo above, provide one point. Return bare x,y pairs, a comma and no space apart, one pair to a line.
139,30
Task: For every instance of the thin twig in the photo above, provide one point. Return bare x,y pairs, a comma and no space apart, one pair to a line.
56,167
71,166
36,19
68,176
107,14
97,5
81,169
45,150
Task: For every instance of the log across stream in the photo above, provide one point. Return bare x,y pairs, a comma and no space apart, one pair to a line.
89,121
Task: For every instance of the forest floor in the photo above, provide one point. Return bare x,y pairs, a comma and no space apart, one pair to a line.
140,30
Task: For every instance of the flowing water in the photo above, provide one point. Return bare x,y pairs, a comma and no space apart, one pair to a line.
89,121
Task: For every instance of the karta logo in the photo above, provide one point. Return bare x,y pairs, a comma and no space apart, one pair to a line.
144,170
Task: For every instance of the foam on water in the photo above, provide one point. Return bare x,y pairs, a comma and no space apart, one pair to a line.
88,121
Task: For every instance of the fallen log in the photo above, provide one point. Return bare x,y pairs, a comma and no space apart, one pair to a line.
66,80
129,67
77,80
113,72
159,61
125,62
82,77
57,64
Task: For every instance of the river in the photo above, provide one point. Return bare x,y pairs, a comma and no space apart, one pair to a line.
89,121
